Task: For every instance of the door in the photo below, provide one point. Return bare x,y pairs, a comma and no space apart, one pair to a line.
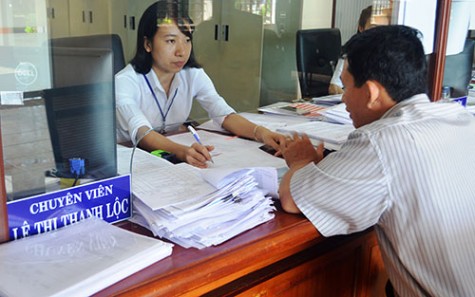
58,18
88,17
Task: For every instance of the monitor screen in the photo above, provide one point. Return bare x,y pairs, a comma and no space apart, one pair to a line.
72,66
81,122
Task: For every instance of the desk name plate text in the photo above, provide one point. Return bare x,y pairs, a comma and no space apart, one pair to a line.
107,199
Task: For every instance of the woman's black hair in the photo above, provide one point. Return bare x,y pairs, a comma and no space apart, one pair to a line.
161,12
365,15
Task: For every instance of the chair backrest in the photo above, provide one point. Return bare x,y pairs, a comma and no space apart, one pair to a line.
107,41
458,69
317,51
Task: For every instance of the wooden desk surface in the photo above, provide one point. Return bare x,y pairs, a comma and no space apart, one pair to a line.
193,272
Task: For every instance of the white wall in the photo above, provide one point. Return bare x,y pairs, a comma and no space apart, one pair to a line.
317,14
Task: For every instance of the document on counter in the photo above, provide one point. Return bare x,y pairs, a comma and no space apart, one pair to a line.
77,260
332,133
231,151
337,114
141,159
198,208
238,204
270,121
159,183
329,100
165,186
296,109
183,183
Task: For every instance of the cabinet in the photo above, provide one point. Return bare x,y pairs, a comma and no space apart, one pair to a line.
125,18
229,47
58,18
78,17
88,17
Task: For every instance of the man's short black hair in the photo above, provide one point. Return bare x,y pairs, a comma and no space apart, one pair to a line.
391,55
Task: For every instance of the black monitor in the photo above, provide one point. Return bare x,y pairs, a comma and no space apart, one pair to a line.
72,66
458,69
81,122
318,51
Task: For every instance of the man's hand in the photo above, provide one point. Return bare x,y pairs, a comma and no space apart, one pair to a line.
298,151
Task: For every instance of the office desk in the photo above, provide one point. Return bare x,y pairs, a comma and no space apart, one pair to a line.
283,257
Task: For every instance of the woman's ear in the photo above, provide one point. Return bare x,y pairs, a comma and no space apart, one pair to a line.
147,45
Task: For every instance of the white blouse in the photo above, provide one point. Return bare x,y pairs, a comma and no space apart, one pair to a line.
139,105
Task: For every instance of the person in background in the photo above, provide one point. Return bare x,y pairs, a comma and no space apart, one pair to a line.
364,23
155,92
407,169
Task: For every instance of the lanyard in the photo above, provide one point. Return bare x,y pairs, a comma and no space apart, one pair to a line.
164,115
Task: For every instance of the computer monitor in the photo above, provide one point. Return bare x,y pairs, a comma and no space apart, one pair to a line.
81,122
458,69
318,51
72,66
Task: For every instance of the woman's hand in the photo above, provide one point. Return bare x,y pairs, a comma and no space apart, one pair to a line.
273,139
334,89
197,155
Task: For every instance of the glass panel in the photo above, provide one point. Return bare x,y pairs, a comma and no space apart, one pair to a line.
247,47
57,105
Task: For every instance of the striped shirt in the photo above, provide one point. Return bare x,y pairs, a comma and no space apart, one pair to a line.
411,174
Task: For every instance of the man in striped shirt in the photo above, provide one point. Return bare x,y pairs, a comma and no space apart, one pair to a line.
407,169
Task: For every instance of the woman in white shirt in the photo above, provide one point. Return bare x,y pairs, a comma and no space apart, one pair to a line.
155,92
364,23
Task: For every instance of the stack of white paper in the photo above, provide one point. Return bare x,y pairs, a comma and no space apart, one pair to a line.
203,207
329,133
337,114
77,260
221,204
329,100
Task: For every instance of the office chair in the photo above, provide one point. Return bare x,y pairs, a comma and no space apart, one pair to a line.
107,41
318,51
458,69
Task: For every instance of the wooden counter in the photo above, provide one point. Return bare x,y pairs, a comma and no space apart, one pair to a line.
283,257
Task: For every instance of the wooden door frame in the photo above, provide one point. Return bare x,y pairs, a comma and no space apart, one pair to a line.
437,59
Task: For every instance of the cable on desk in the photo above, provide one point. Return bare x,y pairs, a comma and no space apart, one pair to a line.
133,151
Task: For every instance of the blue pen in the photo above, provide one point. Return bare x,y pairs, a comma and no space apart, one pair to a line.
197,138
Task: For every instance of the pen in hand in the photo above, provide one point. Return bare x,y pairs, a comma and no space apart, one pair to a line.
197,138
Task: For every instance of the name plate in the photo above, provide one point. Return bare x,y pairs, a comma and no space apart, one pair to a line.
108,199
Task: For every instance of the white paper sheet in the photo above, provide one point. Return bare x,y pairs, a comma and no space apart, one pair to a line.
77,260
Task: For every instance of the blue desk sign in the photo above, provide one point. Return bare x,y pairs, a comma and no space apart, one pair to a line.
108,199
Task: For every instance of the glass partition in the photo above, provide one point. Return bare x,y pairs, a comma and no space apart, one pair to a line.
247,47
57,111
56,77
